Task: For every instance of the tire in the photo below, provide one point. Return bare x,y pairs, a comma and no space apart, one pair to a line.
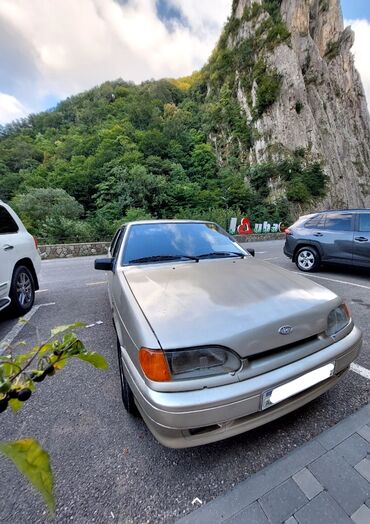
22,291
307,259
128,398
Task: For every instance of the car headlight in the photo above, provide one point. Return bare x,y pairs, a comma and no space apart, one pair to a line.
201,362
183,364
338,319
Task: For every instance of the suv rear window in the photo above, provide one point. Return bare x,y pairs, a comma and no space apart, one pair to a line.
338,222
315,222
7,224
364,222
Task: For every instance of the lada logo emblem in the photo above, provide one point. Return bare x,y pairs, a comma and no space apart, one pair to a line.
285,330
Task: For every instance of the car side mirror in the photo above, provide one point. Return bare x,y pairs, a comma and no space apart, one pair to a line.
104,264
252,252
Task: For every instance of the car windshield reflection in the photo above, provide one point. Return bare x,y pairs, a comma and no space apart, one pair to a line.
165,242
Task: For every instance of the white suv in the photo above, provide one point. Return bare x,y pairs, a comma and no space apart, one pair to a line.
20,263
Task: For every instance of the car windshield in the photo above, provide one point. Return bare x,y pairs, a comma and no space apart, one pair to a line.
148,243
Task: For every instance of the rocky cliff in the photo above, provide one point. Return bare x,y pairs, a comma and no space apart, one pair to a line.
289,68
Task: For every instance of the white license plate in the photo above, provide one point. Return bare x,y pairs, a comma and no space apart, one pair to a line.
280,393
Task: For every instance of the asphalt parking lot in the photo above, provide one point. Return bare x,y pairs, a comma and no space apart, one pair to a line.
108,467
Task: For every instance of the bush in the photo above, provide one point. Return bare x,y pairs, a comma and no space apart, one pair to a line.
297,191
268,89
298,106
134,214
60,230
41,204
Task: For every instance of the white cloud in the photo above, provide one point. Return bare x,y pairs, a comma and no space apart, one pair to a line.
74,45
361,51
11,108
51,49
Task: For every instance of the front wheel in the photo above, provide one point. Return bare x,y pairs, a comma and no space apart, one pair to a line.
22,291
128,398
307,259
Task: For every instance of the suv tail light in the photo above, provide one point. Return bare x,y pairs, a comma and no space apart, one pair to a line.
36,242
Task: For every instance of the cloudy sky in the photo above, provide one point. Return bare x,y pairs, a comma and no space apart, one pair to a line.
50,49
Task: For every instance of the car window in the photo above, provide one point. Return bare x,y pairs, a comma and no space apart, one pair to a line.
176,240
113,243
118,242
339,222
364,222
7,224
315,222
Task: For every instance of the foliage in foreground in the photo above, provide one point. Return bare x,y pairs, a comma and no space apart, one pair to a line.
20,374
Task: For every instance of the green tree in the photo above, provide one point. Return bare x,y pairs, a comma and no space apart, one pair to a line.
38,204
203,162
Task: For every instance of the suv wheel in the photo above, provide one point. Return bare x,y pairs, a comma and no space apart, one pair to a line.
307,259
22,291
128,398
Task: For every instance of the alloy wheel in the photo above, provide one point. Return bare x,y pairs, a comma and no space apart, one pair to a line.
306,259
24,289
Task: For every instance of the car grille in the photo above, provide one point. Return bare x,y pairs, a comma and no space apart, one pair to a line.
282,356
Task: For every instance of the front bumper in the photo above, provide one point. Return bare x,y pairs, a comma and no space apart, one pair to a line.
288,253
193,418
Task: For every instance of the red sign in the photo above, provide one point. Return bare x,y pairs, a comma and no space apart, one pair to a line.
245,227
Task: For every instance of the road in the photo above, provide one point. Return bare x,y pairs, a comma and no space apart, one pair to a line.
108,467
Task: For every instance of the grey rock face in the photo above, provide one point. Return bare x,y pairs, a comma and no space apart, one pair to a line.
318,77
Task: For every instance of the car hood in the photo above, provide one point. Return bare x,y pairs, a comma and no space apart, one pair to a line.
237,303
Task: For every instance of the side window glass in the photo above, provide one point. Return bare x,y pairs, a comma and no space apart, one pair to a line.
114,241
315,222
118,243
364,222
7,224
338,222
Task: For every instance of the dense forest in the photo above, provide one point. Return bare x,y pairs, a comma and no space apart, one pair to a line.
124,152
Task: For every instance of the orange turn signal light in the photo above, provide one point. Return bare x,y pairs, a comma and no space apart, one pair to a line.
154,364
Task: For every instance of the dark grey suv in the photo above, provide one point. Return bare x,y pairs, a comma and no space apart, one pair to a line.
335,237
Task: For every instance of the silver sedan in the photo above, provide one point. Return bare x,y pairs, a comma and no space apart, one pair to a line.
212,342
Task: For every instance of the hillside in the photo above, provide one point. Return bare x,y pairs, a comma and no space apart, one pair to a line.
271,126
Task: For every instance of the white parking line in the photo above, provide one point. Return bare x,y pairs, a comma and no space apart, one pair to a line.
272,258
42,290
14,332
334,280
96,283
361,371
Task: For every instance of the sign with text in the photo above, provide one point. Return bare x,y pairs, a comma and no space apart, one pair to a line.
245,227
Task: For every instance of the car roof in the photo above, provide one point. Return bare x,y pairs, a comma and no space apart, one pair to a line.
167,221
354,210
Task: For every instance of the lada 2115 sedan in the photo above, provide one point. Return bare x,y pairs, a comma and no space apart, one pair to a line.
212,342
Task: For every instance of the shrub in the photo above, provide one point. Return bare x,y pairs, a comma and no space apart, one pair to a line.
297,191
268,89
298,106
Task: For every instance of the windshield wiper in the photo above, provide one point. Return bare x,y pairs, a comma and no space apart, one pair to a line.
162,258
222,254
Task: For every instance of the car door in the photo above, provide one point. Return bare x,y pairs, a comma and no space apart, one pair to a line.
336,237
8,250
361,240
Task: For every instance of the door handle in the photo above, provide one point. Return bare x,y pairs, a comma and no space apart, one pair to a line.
7,247
318,234
361,239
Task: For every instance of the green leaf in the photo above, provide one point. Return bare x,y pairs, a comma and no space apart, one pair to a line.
33,462
15,404
69,338
61,329
94,358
